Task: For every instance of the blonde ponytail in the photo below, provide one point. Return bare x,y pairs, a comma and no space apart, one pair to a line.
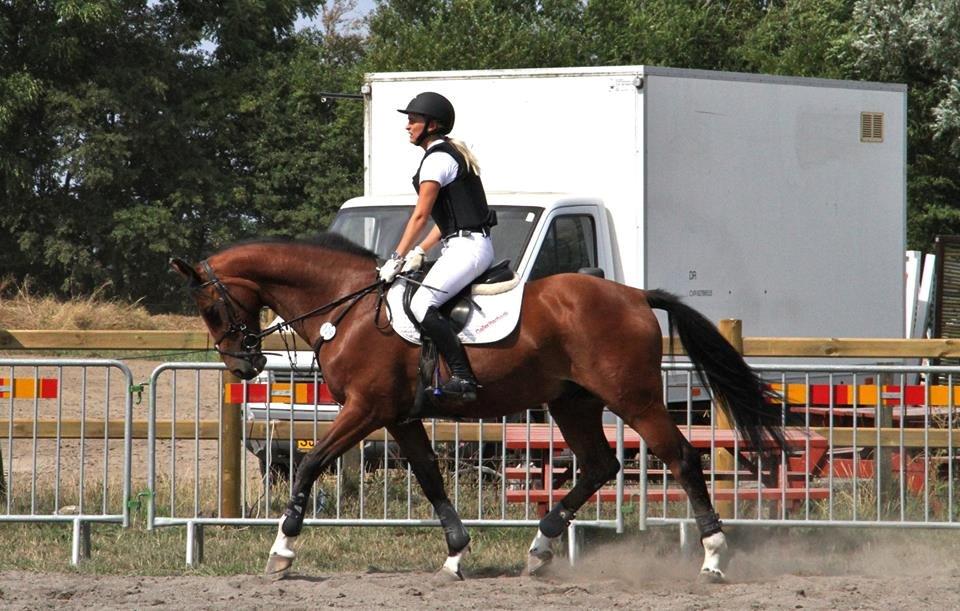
468,156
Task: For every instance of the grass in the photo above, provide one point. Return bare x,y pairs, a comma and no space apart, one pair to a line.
243,550
21,309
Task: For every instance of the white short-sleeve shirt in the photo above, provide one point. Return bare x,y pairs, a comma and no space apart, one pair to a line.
439,167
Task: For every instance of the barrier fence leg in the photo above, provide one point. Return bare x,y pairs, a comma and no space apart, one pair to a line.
572,544
81,541
194,543
688,539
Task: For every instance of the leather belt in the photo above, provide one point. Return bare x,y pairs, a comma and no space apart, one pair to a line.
464,233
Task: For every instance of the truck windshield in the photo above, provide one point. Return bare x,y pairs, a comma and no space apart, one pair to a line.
379,228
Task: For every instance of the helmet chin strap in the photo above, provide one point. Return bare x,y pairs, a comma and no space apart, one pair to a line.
426,133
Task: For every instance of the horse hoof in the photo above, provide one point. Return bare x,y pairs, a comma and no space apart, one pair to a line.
278,566
447,575
537,562
712,576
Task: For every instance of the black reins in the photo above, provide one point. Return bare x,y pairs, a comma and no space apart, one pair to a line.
250,341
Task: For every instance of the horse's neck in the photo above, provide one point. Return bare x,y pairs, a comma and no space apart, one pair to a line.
295,284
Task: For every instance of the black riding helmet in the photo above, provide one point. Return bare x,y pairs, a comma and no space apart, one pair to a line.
433,106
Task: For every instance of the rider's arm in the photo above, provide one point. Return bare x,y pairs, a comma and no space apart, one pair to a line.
421,216
431,240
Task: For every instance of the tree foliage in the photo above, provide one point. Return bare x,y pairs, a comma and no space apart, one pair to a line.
916,42
124,141
133,130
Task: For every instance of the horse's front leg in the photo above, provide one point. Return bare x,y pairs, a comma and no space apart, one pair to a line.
352,424
416,447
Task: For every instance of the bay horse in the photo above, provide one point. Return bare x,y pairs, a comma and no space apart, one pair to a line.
582,343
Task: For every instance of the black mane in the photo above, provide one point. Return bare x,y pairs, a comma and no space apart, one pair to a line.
324,239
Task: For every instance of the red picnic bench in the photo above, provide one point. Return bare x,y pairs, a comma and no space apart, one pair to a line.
542,437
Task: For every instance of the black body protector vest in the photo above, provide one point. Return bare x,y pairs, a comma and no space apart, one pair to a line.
462,204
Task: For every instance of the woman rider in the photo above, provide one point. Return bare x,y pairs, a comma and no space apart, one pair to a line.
449,190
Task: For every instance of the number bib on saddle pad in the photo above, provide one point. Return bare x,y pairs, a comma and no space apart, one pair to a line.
494,310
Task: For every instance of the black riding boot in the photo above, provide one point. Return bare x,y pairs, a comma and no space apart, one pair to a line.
462,385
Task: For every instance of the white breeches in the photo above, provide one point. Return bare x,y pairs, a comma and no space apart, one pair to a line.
461,260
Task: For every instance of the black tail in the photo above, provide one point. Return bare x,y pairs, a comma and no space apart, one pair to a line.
740,391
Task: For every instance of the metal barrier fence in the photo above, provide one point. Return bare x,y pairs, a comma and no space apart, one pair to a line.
494,472
867,446
66,443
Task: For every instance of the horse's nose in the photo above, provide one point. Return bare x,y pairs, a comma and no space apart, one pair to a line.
244,370
259,362
244,373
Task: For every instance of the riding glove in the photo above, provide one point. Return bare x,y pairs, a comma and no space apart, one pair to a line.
414,260
390,269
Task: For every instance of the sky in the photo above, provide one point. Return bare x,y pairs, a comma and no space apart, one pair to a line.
363,8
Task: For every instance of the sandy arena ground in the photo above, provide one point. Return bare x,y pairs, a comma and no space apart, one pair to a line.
769,576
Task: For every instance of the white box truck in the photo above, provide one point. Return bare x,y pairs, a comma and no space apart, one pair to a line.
779,201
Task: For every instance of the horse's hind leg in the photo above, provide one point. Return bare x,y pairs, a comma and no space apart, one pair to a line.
415,446
667,442
580,418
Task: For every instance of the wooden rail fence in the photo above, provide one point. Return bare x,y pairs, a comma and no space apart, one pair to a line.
21,340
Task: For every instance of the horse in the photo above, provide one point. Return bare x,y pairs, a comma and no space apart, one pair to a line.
582,343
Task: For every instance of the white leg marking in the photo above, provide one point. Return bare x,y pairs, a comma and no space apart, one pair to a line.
541,552
451,567
715,557
541,543
282,546
281,555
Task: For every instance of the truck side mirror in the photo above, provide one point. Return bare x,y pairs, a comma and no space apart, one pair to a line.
591,271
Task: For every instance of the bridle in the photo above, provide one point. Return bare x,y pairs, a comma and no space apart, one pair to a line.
251,341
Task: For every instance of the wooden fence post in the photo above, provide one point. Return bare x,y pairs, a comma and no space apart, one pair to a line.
732,330
887,488
230,453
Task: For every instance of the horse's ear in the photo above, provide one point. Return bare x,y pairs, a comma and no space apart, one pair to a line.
186,270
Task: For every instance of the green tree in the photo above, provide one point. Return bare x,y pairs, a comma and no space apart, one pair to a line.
473,34
701,34
123,142
801,38
916,42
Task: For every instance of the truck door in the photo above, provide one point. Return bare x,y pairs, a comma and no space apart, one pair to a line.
569,244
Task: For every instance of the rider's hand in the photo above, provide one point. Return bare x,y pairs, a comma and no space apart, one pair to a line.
414,260
390,269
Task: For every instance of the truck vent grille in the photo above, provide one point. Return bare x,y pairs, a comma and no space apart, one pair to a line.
871,127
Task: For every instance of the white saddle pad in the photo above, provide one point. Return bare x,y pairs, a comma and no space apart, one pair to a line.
495,319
